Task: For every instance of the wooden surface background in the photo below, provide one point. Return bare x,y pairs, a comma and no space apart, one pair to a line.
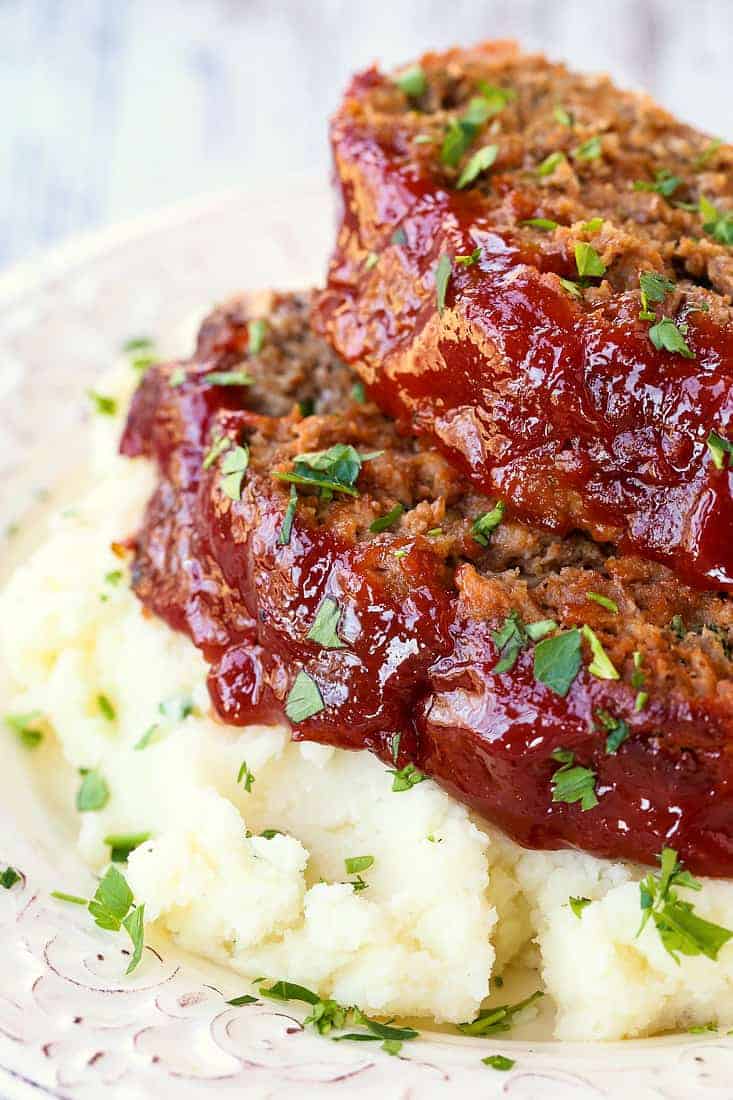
114,107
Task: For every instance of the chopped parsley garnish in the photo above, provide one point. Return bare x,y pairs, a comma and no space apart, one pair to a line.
105,708
228,378
513,635
93,794
358,393
399,236
492,1021
287,525
412,82
121,844
462,131
654,288
603,601
572,782
442,275
371,261
304,699
578,905
637,681
719,226
481,160
488,522
245,777
707,154
592,226
112,908
664,183
499,1061
719,447
589,150
601,666
178,377
617,730
549,164
565,118
546,224
147,738
666,336
572,288
141,351
587,260
557,660
406,778
681,931
105,406
26,727
677,626
256,331
434,532
394,746
382,523
332,471
218,446
496,97
469,259
233,468
268,834
328,1015
245,999
176,708
324,626
9,877
355,864
113,577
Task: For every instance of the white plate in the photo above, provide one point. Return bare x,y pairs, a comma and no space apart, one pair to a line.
70,1025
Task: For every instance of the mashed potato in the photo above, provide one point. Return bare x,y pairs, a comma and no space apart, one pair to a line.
447,901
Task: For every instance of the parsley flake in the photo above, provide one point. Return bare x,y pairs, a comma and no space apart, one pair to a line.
499,1061
442,275
287,525
469,259
589,150
481,160
665,335
406,778
603,601
545,224
601,666
358,393
412,82
177,377
564,117
105,708
228,378
121,844
707,154
664,183
332,471
461,131
355,864
324,629
245,999
719,226
587,260
488,522
719,447
256,332
141,352
372,259
399,236
245,777
654,287
557,660
382,523
617,730
26,727
93,794
572,782
105,406
549,164
9,877
681,931
578,905
304,699
492,1021
513,635
218,446
233,468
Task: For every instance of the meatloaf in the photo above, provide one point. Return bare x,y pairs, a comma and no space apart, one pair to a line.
346,576
534,272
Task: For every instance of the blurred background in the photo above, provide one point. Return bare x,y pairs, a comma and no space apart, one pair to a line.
112,108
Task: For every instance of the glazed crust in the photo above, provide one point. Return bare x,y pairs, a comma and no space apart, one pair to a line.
419,605
541,384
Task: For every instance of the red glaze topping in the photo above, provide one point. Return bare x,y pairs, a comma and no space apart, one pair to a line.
418,658
562,406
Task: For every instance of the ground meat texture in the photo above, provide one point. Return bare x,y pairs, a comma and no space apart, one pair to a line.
413,677
496,310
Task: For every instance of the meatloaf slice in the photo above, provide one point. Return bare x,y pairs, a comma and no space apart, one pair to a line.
375,597
534,272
